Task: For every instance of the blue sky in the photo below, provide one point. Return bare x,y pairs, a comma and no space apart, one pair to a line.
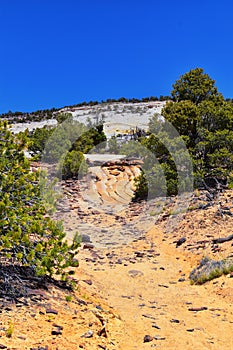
61,52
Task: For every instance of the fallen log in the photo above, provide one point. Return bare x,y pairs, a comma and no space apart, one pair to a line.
223,239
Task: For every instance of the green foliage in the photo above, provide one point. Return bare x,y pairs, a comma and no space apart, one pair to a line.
184,116
38,139
141,183
69,298
61,117
70,135
61,140
27,235
195,86
74,165
90,139
204,121
166,153
66,144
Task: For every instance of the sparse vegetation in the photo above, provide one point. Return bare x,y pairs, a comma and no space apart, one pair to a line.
210,269
69,298
46,114
10,329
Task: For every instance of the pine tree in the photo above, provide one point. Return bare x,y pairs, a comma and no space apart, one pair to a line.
27,235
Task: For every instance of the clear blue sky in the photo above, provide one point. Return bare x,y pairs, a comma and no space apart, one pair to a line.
61,52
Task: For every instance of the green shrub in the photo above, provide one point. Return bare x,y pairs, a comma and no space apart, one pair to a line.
74,165
141,184
38,139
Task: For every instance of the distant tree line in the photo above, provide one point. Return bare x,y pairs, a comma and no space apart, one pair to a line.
16,117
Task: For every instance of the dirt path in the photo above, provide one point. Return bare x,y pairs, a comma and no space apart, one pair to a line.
147,283
145,278
136,289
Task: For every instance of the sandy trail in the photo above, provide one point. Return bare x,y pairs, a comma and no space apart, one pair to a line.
153,296
146,278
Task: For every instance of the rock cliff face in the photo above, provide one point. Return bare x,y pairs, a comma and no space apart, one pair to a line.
117,117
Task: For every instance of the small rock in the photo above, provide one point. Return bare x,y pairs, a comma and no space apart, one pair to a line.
149,316
139,254
180,241
135,273
88,334
174,320
81,302
154,325
51,311
132,261
86,238
57,326
99,308
56,332
158,337
119,261
181,279
3,346
88,246
21,337
163,285
147,338
88,282
202,308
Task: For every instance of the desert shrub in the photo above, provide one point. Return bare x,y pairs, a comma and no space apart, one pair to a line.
74,165
89,139
209,269
141,184
38,139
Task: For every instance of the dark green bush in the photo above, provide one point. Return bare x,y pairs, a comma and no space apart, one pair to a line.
74,165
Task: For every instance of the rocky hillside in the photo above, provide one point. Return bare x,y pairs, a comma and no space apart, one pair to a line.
117,117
